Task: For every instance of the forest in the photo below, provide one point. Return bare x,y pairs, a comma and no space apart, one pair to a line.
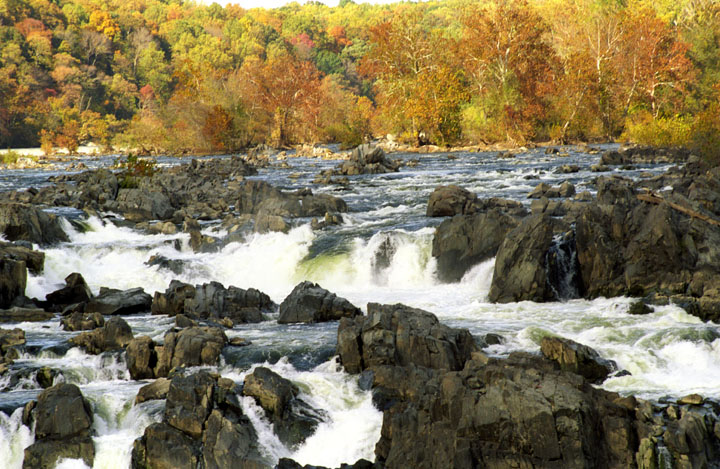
174,76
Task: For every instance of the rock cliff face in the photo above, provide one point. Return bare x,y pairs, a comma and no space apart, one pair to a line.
447,405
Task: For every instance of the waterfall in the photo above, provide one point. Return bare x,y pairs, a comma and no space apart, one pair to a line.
562,267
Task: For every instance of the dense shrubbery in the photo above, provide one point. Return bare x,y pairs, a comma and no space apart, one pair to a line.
171,76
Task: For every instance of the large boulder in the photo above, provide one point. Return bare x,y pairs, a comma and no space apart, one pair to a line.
367,159
293,420
203,426
63,424
192,346
577,358
35,260
403,336
464,241
74,291
116,334
309,302
13,279
27,223
447,201
119,302
138,205
520,265
259,197
212,301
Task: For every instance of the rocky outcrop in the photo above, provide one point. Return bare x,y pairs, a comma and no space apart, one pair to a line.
367,159
22,251
577,358
20,314
140,205
13,279
78,321
193,346
119,302
74,291
116,334
400,335
63,425
292,418
644,154
212,301
259,197
11,341
464,241
27,223
203,427
447,201
520,272
309,302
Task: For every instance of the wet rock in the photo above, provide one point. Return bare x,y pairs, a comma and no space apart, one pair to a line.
447,201
34,260
119,302
692,399
18,314
464,241
577,358
688,440
158,389
11,340
309,302
203,426
639,307
260,197
644,154
293,420
82,321
212,301
203,243
63,423
400,335
328,220
265,223
25,222
13,279
367,159
141,358
173,265
116,334
520,272
74,291
138,205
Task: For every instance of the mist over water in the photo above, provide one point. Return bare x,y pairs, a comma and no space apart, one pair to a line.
380,253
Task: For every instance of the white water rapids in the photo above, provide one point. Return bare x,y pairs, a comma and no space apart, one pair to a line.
381,253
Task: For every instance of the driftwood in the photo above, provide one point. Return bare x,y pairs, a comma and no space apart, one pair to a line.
657,199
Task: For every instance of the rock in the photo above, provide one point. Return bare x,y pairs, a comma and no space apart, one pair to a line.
194,346
24,315
520,272
141,358
63,423
116,334
639,307
118,302
138,205
309,302
239,342
158,389
182,321
577,358
540,190
203,426
464,241
82,321
34,260
400,335
25,222
265,223
74,291
173,265
259,197
293,420
13,279
367,159
11,340
213,301
567,189
447,201
692,399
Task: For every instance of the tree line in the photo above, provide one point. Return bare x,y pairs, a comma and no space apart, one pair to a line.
175,76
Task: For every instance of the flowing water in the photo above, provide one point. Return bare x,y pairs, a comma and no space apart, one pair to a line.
380,253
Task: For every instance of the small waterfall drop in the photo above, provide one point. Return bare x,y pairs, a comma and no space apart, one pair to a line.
562,267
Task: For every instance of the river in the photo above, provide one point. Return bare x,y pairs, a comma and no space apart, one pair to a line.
380,253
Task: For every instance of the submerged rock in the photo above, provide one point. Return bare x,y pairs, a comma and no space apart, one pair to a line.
63,425
309,302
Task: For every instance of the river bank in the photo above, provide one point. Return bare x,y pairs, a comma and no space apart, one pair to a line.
222,220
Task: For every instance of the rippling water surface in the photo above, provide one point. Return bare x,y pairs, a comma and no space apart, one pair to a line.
381,253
